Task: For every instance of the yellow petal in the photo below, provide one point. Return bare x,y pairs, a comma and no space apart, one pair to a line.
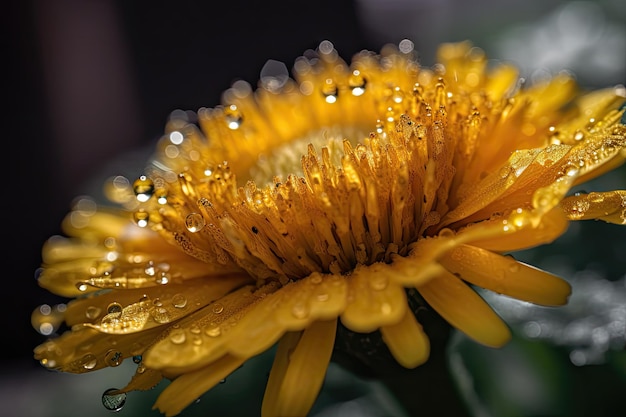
143,380
299,370
144,308
608,206
456,302
520,230
406,341
373,301
316,297
84,350
188,387
202,337
505,275
292,307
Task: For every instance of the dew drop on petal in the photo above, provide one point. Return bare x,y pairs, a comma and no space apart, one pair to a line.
233,117
316,279
378,282
595,197
143,188
519,218
92,312
385,308
356,82
213,331
179,301
505,171
329,91
160,315
217,308
194,222
141,368
300,311
323,297
114,308
137,359
112,400
446,233
579,135
89,361
113,358
570,170
398,95
163,278
177,336
141,218
543,198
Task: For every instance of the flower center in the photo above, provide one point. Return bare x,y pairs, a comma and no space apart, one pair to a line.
286,159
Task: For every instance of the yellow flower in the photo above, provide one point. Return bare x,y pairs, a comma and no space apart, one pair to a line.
322,198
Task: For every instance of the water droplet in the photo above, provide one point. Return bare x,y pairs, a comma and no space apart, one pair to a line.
456,254
378,282
163,278
213,331
579,135
177,336
194,222
217,308
92,312
113,400
274,75
233,117
161,315
446,233
570,170
323,297
101,268
143,188
179,301
300,310
595,197
329,91
89,361
316,279
544,198
397,95
385,308
356,82
114,308
141,218
137,359
505,171
113,358
379,127
149,269
519,218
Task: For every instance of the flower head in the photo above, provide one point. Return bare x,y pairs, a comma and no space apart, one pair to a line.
323,198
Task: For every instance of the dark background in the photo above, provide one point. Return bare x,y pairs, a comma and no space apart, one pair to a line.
93,81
